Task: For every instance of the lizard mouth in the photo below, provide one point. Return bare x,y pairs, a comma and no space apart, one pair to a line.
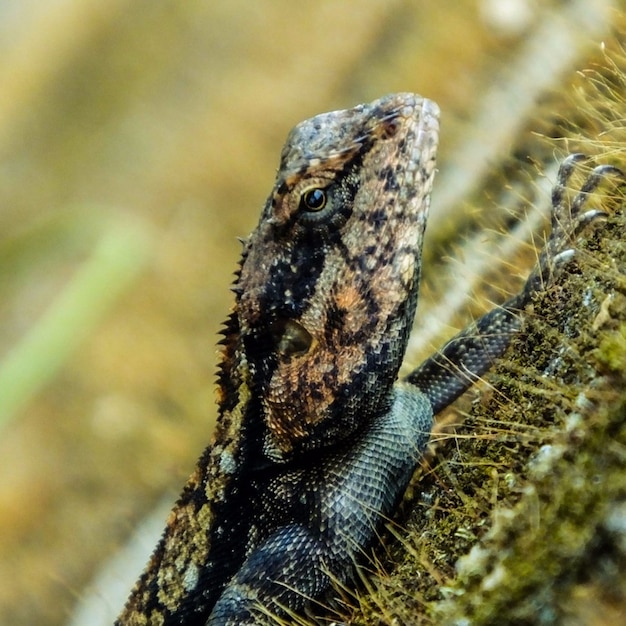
291,338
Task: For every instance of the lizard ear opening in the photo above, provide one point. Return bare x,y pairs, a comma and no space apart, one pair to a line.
291,338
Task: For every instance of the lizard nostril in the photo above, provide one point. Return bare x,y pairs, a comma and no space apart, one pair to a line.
390,128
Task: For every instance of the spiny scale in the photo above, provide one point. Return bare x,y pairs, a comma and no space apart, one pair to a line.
316,441
335,287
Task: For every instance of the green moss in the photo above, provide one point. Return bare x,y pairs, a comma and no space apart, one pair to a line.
520,517
612,350
537,470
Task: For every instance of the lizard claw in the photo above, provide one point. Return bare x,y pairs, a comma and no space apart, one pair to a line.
566,170
569,218
590,216
563,257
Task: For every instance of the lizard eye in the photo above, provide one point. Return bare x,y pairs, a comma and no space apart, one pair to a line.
313,199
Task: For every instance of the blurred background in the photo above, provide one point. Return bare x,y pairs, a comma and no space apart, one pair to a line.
138,139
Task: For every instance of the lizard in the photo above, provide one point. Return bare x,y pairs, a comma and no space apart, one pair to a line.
317,439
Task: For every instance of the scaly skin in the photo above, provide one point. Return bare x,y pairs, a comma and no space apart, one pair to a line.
316,440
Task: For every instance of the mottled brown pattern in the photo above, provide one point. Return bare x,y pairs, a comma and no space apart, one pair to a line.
325,301
317,440
360,278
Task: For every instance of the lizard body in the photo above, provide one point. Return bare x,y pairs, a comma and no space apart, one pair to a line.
316,440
